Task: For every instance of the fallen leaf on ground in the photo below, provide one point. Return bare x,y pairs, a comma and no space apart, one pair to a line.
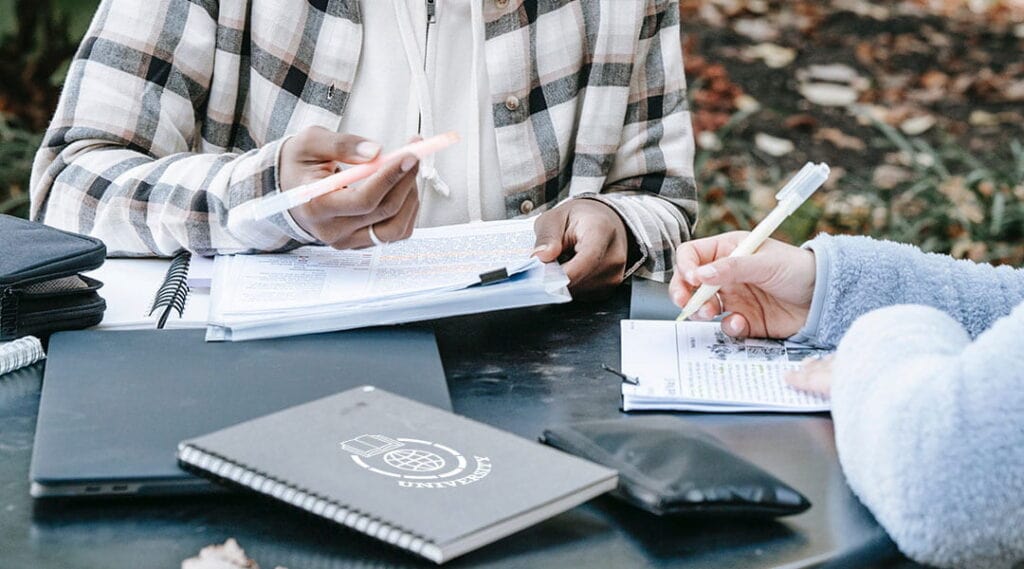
1014,91
934,80
863,8
747,104
829,94
832,85
773,145
773,55
228,555
834,73
866,115
887,177
840,139
963,199
762,196
708,140
916,126
983,118
757,29
835,178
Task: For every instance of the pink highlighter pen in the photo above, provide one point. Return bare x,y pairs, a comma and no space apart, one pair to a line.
278,203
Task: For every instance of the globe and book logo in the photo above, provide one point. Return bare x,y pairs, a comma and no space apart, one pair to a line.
415,463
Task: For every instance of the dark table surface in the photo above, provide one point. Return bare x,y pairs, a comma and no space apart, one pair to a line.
520,371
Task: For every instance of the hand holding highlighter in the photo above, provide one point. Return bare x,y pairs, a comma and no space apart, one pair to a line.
284,201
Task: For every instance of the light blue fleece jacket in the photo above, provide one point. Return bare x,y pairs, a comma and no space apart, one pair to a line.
927,395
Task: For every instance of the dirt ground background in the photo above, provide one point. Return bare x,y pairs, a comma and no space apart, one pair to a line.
917,105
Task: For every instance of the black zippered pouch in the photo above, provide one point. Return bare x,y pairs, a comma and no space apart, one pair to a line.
41,290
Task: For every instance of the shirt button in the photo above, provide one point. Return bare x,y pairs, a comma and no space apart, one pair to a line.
501,3
526,207
512,103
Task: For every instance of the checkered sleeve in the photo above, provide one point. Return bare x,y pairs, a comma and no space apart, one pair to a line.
651,181
121,158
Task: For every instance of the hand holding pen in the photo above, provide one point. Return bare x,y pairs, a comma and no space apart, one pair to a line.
327,204
768,293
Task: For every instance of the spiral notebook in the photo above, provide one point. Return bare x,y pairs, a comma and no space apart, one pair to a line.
20,353
152,293
411,475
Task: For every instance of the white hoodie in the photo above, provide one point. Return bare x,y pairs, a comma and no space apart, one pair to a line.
440,78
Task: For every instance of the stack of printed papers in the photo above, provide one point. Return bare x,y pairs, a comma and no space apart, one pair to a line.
438,272
694,366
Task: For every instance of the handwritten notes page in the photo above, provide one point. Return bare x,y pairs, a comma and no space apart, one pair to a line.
694,366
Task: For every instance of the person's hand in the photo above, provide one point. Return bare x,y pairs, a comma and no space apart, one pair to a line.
388,200
768,293
595,238
814,376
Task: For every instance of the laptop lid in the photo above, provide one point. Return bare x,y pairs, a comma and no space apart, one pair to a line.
649,300
114,405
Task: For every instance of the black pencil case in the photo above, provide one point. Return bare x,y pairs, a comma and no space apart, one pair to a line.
41,290
668,466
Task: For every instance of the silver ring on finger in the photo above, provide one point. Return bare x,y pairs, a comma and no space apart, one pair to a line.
721,305
376,240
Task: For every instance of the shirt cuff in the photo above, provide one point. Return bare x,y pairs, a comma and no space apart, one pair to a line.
296,231
822,276
639,236
253,232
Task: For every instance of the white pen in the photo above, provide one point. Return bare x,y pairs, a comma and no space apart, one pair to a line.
790,198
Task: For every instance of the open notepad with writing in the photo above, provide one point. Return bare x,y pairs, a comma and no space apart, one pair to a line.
694,366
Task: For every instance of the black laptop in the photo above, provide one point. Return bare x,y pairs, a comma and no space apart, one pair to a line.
115,405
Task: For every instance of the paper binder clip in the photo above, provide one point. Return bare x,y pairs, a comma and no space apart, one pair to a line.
494,276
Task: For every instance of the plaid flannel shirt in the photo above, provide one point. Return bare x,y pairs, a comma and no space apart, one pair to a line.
174,113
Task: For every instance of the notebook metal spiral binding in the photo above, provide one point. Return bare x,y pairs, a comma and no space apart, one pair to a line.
198,461
173,294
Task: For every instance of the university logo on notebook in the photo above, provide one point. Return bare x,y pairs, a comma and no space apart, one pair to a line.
415,463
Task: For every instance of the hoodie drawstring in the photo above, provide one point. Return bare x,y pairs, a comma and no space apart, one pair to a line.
474,135
429,175
421,87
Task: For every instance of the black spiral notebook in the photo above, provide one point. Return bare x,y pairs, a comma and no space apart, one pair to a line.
411,475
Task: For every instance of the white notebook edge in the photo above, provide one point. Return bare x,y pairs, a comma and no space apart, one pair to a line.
554,290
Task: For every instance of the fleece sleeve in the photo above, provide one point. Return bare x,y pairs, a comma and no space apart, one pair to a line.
856,275
929,426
